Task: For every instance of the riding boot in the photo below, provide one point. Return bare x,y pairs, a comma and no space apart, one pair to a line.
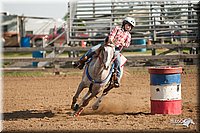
116,79
81,63
116,83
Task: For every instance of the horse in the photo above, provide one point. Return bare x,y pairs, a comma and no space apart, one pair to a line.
98,73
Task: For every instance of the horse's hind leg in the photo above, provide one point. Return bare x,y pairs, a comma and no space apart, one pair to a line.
89,97
82,105
95,106
78,91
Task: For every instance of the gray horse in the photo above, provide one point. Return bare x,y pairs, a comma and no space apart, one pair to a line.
97,74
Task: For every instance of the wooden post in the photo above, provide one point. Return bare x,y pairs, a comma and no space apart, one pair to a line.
22,26
197,8
154,37
93,8
112,15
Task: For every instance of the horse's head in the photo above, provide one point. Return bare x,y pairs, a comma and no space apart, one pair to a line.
107,53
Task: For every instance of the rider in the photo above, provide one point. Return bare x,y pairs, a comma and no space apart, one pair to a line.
120,37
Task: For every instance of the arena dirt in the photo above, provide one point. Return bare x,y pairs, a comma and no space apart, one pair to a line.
42,103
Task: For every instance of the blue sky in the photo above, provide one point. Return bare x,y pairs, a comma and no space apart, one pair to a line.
43,8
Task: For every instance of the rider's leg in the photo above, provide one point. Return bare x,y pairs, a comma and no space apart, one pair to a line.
118,68
80,64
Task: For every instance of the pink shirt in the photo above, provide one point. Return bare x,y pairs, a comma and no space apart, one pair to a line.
120,37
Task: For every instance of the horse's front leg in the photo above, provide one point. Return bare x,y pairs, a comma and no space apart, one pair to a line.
86,96
78,91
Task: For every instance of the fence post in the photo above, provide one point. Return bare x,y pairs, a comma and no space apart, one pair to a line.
154,37
197,8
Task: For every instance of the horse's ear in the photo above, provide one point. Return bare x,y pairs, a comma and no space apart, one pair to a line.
106,39
102,47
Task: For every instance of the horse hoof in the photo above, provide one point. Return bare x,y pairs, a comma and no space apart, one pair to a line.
95,107
75,107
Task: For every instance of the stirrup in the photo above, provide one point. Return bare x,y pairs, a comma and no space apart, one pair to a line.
76,64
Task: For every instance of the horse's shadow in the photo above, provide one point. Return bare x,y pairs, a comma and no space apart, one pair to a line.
27,114
117,113
138,113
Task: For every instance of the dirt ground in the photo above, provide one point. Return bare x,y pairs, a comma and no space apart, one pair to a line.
42,103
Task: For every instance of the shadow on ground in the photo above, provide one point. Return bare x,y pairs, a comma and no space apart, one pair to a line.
27,114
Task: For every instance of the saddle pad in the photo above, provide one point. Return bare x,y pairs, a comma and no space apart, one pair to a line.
123,60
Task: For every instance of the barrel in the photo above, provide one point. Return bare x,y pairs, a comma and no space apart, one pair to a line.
140,42
25,42
165,90
37,54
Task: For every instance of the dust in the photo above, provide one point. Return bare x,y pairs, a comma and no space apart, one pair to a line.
114,106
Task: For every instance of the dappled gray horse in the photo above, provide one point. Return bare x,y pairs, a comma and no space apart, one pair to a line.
96,75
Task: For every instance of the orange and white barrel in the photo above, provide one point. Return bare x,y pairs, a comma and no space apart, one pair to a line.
165,90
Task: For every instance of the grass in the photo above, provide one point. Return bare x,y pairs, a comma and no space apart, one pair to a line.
65,72
74,72
147,52
23,74
26,54
17,54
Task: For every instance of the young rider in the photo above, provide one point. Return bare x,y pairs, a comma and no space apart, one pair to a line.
120,37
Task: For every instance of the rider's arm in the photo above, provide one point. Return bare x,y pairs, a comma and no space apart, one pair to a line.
128,41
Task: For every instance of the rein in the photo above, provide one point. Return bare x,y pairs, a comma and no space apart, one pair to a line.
99,82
